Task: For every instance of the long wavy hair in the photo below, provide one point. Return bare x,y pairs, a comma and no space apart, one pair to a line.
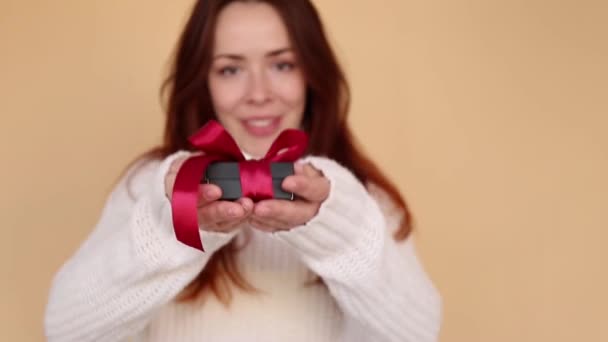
189,107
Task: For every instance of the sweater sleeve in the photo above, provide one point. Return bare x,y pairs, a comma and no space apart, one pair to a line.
378,283
130,265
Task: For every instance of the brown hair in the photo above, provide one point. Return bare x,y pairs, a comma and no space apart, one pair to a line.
328,99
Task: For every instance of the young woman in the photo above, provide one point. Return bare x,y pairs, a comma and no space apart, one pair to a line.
336,264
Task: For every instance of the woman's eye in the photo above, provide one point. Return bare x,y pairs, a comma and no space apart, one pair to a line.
285,66
228,71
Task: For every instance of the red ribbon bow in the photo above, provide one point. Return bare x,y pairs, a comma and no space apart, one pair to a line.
217,145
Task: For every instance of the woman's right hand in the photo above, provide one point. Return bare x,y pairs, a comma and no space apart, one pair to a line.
213,215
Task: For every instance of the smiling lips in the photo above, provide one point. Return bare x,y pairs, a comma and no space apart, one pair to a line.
262,126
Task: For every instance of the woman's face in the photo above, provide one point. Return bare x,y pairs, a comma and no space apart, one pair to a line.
256,84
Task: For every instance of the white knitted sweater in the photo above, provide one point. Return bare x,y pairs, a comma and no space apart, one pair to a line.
122,281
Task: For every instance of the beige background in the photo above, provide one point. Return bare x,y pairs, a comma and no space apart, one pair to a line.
490,115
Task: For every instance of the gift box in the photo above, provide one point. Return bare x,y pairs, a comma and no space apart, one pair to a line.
221,162
227,175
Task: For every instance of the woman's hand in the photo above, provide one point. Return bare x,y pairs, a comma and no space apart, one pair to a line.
311,188
214,215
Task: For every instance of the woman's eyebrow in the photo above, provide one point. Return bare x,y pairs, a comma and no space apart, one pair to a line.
278,52
230,56
237,57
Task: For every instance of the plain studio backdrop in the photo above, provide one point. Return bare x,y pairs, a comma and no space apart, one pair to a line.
491,116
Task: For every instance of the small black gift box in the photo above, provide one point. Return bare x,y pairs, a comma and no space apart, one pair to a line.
226,175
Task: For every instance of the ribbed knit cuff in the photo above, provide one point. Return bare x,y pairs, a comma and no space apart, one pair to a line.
346,237
161,242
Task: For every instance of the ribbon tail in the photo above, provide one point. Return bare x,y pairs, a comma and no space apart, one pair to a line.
184,200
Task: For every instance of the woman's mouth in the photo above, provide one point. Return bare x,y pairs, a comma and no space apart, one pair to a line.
262,126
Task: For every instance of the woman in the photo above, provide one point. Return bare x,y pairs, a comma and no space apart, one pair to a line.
334,265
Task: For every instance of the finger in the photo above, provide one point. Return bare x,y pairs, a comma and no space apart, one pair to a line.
288,213
208,193
266,225
314,189
306,169
312,171
298,168
247,204
220,211
177,164
171,175
230,224
169,183
226,226
214,215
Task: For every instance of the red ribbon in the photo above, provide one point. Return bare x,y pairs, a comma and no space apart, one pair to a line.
217,145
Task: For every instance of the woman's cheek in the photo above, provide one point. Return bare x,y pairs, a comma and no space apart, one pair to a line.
227,96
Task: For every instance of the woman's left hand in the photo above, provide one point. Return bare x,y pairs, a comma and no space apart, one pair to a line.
311,188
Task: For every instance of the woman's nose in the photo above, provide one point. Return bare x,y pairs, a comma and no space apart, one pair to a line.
259,89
